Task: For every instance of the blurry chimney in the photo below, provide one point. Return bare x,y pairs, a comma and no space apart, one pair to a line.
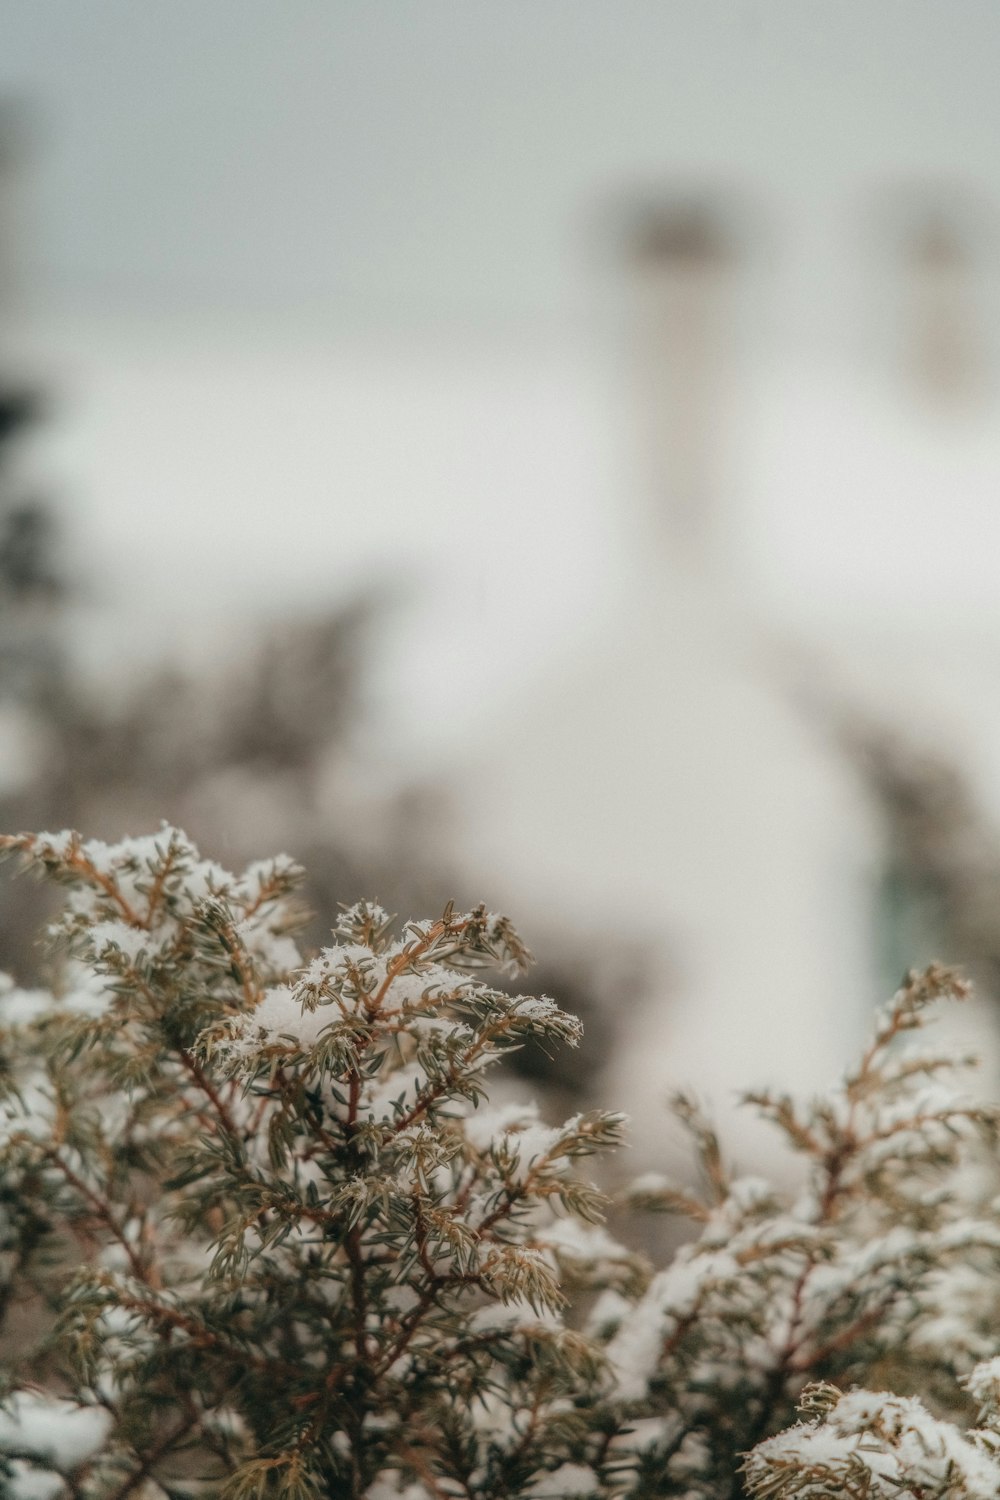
944,345
679,254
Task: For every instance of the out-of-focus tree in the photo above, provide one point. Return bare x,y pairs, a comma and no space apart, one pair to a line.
268,747
940,889
278,1241
263,751
264,747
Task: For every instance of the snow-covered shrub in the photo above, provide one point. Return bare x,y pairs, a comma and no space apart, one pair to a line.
262,1234
290,1250
883,1265
881,1447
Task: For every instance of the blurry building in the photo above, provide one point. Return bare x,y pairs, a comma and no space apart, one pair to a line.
943,336
662,788
692,780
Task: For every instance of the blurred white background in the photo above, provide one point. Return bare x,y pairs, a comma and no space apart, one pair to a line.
331,296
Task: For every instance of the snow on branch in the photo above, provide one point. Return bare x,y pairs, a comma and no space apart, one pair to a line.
264,1234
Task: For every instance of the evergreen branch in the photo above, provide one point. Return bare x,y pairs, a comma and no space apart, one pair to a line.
364,1283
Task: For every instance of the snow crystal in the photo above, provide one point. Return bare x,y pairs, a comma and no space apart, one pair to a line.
107,859
672,1295
418,1025
342,968
261,872
569,1480
896,1439
530,1145
279,1015
276,949
54,1431
515,1128
651,1182
499,1317
206,879
748,1194
399,1297
87,995
362,912
429,981
536,1007
965,1234
122,935
33,1484
348,966
490,1122
22,1007
984,1383
381,1093
389,1486
582,1242
609,1310
32,1114
57,845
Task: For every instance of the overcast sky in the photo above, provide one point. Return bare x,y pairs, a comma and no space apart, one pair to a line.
397,159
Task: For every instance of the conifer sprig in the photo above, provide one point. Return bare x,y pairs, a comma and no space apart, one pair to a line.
293,1218
263,1233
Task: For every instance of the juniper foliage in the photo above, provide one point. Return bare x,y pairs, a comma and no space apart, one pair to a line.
264,1235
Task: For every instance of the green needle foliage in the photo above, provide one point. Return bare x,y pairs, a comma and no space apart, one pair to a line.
262,1233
